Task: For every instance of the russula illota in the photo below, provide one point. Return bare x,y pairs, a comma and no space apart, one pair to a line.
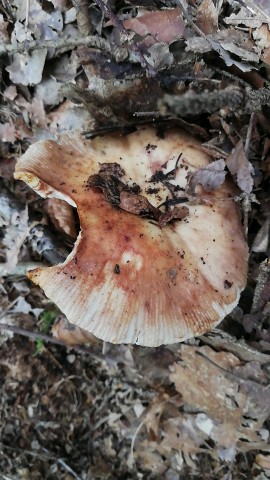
140,272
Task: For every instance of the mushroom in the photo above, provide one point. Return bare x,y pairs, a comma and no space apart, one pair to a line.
152,265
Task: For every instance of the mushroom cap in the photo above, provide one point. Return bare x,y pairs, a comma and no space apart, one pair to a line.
129,280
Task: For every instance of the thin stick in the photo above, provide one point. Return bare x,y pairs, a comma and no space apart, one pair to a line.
27,6
264,271
249,133
47,338
66,44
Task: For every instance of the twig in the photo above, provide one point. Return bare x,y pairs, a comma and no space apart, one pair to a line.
194,104
126,36
249,133
130,460
27,6
47,338
5,477
230,373
67,44
264,271
68,468
252,6
3,314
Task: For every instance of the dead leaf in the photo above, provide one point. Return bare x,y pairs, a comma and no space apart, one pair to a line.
71,334
7,132
210,177
27,68
245,17
7,167
69,117
149,459
181,434
207,17
62,217
159,56
239,165
138,205
242,52
261,241
165,26
203,45
217,384
50,92
263,461
4,36
14,225
262,37
203,386
176,213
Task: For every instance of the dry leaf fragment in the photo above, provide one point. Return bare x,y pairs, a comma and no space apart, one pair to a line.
129,280
71,334
217,384
4,35
62,216
209,178
245,17
207,17
263,461
262,36
261,241
27,68
165,26
14,229
239,165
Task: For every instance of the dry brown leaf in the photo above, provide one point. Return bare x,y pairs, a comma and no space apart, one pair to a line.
239,165
200,383
217,384
263,461
149,459
71,334
165,26
262,36
207,17
181,433
62,217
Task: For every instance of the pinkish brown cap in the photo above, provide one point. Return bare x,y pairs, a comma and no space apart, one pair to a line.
128,279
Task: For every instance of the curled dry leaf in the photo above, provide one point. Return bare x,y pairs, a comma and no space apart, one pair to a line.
62,217
261,241
239,165
128,279
71,334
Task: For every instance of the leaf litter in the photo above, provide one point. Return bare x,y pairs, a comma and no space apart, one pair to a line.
200,409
